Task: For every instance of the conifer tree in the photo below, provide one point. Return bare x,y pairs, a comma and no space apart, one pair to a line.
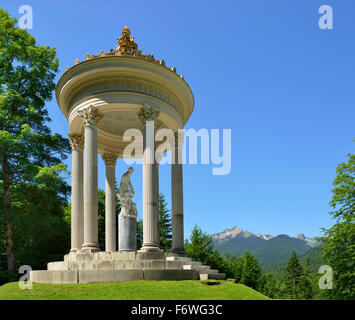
293,277
165,224
251,272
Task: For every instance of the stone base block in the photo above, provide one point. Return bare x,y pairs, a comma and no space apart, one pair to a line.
127,233
171,274
54,277
86,276
58,265
215,276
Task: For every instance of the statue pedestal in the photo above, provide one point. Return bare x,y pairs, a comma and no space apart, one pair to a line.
127,234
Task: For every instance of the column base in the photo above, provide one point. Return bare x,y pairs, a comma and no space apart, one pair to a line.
74,249
178,252
150,248
89,246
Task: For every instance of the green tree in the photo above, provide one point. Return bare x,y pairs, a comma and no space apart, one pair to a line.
307,284
339,240
294,277
27,73
101,217
199,246
270,286
139,233
236,266
251,272
165,225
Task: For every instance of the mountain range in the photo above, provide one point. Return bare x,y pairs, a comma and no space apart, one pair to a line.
269,250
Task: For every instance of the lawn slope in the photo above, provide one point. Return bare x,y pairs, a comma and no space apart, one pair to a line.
134,290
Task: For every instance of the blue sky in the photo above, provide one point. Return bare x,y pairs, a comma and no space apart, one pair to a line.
262,68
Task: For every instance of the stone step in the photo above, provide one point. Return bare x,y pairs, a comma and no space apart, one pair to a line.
202,271
178,258
215,276
195,267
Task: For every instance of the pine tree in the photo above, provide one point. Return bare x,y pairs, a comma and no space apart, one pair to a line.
251,272
293,277
165,224
306,285
139,233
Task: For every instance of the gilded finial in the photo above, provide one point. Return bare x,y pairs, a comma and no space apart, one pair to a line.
126,44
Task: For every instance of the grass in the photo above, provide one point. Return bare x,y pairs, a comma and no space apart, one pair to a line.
134,290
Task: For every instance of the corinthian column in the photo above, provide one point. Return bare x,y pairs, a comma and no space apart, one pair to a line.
110,202
90,116
148,115
77,214
177,197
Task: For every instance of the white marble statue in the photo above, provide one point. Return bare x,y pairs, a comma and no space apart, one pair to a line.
125,194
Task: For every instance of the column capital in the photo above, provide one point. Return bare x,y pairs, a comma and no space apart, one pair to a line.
147,113
76,141
90,115
109,158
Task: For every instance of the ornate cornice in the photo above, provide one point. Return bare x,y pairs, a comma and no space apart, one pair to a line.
76,141
124,83
147,113
109,158
90,115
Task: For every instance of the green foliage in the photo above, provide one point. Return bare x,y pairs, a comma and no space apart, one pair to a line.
270,286
293,277
139,233
32,187
200,247
165,224
7,276
236,266
251,272
339,247
101,217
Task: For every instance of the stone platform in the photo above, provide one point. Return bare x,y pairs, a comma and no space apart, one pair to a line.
85,267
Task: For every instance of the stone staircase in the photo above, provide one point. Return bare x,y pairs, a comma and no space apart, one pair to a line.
205,272
84,267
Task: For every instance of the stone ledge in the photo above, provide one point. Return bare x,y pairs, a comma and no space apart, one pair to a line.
215,276
87,276
55,277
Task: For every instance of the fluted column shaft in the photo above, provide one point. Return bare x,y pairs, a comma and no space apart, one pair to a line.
110,202
177,199
148,115
91,116
77,213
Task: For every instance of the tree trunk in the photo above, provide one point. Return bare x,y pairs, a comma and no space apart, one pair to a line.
7,220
